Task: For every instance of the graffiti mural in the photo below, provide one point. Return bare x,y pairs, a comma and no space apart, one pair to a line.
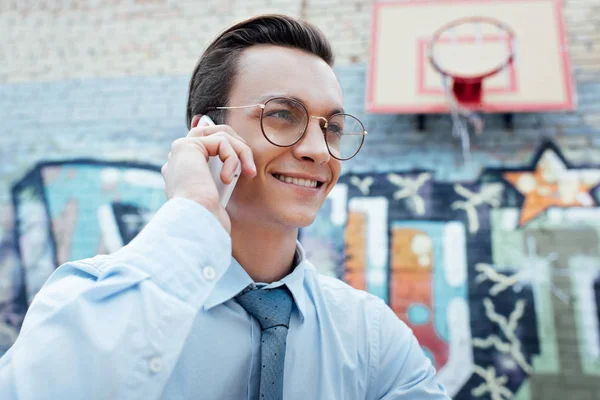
499,279
65,211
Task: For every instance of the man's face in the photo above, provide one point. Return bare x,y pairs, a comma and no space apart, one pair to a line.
272,71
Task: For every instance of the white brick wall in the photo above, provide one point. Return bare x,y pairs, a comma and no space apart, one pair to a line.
52,40
57,40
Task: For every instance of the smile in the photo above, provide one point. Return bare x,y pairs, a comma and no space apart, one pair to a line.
298,181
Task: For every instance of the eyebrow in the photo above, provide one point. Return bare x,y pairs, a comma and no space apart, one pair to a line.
269,96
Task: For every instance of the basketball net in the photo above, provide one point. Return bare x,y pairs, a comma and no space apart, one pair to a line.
459,128
463,83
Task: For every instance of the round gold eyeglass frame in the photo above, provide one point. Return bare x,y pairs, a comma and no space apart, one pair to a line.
262,107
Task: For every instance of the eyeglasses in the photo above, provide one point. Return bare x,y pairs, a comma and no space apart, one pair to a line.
284,122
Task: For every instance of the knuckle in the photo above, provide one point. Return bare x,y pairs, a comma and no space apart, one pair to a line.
226,149
200,131
221,134
214,136
177,143
247,150
223,141
229,130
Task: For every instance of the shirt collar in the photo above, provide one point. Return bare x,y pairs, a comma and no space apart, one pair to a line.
295,282
235,279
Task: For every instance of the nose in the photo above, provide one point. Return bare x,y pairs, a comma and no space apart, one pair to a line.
312,146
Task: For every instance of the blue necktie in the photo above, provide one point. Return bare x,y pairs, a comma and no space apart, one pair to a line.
272,308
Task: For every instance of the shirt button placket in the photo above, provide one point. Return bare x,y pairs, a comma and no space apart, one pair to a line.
209,273
155,364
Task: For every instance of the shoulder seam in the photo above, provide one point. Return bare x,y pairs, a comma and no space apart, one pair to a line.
87,263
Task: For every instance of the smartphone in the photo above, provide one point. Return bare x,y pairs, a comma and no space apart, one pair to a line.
215,165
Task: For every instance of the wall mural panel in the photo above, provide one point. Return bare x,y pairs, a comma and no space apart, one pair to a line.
64,211
499,278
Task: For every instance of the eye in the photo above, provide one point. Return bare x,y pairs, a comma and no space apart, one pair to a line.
281,114
335,128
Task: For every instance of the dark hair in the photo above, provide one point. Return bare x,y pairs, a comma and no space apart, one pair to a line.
215,71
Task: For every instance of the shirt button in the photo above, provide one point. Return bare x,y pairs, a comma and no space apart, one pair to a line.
209,273
155,364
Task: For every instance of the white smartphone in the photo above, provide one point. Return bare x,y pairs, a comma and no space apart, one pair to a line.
215,165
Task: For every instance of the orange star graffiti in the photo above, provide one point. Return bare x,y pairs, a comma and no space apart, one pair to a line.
553,184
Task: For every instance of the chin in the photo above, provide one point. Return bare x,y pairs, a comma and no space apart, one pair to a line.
297,218
300,216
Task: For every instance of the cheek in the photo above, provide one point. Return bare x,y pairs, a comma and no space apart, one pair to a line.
248,129
336,170
264,153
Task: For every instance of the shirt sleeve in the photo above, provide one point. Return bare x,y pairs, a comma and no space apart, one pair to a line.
403,372
112,327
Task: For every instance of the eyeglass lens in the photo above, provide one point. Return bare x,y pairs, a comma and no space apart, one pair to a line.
284,121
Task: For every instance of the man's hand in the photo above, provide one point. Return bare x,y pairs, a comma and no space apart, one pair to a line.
186,172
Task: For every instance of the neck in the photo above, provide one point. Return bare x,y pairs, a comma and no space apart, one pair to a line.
264,251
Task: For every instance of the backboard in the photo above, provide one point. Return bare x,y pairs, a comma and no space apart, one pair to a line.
402,80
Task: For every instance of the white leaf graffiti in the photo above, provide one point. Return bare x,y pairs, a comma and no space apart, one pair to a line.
494,385
508,328
409,188
363,185
489,194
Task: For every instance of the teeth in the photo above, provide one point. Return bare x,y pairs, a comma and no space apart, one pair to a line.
296,181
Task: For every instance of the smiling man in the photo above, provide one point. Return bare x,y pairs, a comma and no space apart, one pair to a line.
215,303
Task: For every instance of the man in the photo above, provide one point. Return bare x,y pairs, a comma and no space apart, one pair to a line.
208,303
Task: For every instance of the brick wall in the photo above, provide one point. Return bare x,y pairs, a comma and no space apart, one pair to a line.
93,92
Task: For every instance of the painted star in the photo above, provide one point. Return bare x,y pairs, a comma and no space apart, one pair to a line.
553,184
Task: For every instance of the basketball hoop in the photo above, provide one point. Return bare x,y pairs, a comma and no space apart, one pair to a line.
465,93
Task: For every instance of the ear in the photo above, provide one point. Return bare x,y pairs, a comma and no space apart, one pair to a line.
195,120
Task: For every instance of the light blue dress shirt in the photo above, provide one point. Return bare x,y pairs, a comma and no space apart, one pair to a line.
158,320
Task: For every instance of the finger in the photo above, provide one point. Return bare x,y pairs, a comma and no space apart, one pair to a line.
242,150
201,131
220,146
244,153
247,159
230,161
229,167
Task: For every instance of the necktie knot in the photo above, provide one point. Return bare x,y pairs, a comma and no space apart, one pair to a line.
271,307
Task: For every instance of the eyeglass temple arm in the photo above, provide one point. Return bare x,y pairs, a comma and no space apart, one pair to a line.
364,133
236,107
